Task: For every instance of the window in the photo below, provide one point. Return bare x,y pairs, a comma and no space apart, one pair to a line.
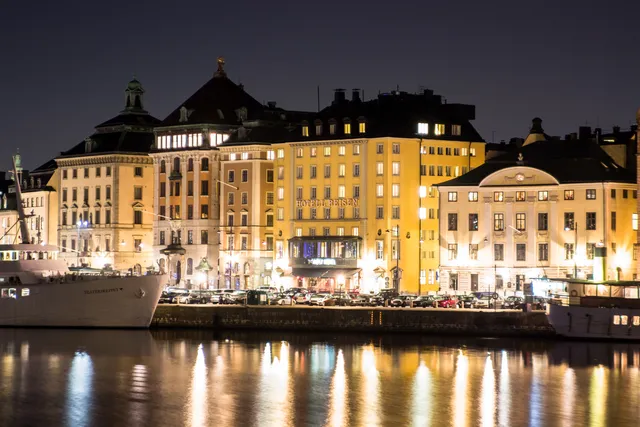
423,128
379,190
634,221
137,193
280,214
625,194
380,149
189,188
342,192
395,168
591,194
498,252
568,251
613,193
543,196
298,193
299,152
543,252
189,211
327,192
327,150
137,217
591,250
64,195
395,148
356,169
244,175
86,172
97,217
452,248
313,213
379,249
204,164
326,231
498,222
568,195
269,175
613,221
440,151
521,252
498,196
356,191
473,196
453,196
244,198
473,222
231,176
327,213
107,215
447,151
356,213
432,170
347,129
379,212
438,129
613,248
74,173
521,196
280,153
342,150
162,238
231,199
244,219
137,171
327,171
204,211
342,170
569,222
456,130
74,194
634,194
521,221
280,193
204,237
473,251
108,192
64,174
543,221
395,190
591,221
379,168
452,222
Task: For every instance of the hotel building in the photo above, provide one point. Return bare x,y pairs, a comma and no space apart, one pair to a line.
554,208
40,199
355,202
106,190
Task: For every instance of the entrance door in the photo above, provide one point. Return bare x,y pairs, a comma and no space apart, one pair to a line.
474,282
453,281
519,282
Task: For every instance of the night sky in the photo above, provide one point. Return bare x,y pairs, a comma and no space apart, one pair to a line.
65,64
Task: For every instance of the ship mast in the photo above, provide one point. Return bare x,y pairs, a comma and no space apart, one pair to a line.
17,177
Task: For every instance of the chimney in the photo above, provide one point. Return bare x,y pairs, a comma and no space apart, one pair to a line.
355,95
271,104
584,132
616,129
339,96
634,128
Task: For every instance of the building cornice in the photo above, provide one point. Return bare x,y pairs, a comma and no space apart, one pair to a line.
98,159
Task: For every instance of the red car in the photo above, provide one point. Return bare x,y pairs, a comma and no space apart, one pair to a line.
447,301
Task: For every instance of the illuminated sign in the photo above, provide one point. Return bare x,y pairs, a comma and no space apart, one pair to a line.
327,202
322,261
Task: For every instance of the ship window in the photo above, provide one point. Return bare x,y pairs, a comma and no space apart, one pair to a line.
5,293
25,292
636,320
616,319
624,320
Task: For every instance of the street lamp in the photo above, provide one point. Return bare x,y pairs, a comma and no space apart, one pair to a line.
575,248
80,224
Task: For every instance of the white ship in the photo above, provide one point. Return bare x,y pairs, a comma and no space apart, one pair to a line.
37,289
597,310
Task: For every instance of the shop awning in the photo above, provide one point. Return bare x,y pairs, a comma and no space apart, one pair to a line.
324,272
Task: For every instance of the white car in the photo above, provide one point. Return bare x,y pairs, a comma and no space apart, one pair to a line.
321,299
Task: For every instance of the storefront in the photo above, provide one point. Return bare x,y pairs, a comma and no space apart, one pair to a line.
326,263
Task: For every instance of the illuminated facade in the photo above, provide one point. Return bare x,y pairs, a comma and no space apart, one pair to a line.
40,198
354,196
105,190
554,209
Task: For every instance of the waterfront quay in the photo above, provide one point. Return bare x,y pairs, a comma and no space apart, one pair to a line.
355,319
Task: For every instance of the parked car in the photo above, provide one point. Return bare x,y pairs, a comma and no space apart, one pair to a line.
468,301
402,301
361,301
388,293
513,303
489,301
199,297
539,303
447,301
174,295
343,299
270,289
322,300
376,301
222,296
424,301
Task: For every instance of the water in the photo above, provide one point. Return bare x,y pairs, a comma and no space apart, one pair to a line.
83,378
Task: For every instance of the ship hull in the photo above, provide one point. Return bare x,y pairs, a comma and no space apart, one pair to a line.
595,322
104,302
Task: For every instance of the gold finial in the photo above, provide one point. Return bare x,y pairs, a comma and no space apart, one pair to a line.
220,72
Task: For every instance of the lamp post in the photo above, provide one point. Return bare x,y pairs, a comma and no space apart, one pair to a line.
575,248
80,224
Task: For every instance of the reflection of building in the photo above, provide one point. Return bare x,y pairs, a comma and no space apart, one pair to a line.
549,209
354,173
106,188
187,177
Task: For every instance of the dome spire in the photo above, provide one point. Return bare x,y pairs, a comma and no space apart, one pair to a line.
220,72
134,94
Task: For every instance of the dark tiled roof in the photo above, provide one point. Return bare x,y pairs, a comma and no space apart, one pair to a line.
113,142
48,166
261,135
131,119
216,103
395,114
573,161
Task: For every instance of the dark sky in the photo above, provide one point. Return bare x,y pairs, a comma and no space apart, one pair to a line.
65,64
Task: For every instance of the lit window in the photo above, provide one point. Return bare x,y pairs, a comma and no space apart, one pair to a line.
423,191
299,152
616,319
355,231
379,168
356,149
624,320
270,155
472,152
332,128
456,130
453,196
422,213
245,156
342,168
636,320
280,193
298,232
569,195
423,128
327,151
347,128
342,150
438,129
473,196
362,127
395,167
634,221
543,196
498,196
25,293
379,190
305,130
340,231
281,153
341,191
395,190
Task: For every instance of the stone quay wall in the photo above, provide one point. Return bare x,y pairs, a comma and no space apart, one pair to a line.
335,319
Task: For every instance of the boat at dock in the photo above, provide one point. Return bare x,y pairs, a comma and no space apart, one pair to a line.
597,310
38,290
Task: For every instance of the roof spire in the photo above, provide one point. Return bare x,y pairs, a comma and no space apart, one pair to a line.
220,72
134,94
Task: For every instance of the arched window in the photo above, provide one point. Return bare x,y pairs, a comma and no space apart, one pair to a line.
176,164
205,164
163,167
189,266
190,165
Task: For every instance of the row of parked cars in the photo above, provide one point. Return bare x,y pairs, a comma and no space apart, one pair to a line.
386,297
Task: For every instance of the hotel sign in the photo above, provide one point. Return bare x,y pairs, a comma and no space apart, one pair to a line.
322,261
319,203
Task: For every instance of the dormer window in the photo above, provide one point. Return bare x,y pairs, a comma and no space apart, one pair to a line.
305,130
332,127
362,127
456,130
438,129
318,128
347,126
423,128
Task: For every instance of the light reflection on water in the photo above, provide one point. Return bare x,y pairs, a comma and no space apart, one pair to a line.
139,379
